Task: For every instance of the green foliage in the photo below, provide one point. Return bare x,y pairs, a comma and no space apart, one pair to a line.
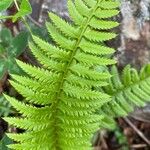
11,48
5,107
4,142
24,9
128,90
61,98
5,4
121,138
40,31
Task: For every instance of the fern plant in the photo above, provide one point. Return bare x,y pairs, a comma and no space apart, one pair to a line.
128,90
61,97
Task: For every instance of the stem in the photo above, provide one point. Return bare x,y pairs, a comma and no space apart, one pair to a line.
5,17
16,4
23,19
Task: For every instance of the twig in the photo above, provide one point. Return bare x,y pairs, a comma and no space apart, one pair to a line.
137,131
34,21
97,148
137,146
40,10
16,4
136,116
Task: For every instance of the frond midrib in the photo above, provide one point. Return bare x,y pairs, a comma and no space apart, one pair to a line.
66,70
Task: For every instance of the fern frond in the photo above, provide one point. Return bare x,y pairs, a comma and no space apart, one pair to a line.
63,25
39,73
82,8
61,97
103,13
81,93
28,124
26,109
87,73
128,90
74,14
102,24
61,40
32,95
50,50
109,4
82,103
46,62
95,49
90,3
29,82
90,60
93,35
79,81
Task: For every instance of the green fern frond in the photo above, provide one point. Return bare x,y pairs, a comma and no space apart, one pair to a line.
95,36
82,8
74,14
26,109
95,49
61,98
90,3
60,39
39,73
109,4
85,72
102,14
50,64
128,90
102,24
89,60
49,50
63,25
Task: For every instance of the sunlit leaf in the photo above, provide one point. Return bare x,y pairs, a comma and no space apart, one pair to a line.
25,9
4,4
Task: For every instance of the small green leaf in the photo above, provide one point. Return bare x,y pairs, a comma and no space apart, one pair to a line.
4,142
6,37
5,17
4,4
11,65
25,9
18,44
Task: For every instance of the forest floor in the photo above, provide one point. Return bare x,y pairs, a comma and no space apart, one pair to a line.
132,135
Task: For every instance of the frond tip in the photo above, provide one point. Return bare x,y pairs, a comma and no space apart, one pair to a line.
61,97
